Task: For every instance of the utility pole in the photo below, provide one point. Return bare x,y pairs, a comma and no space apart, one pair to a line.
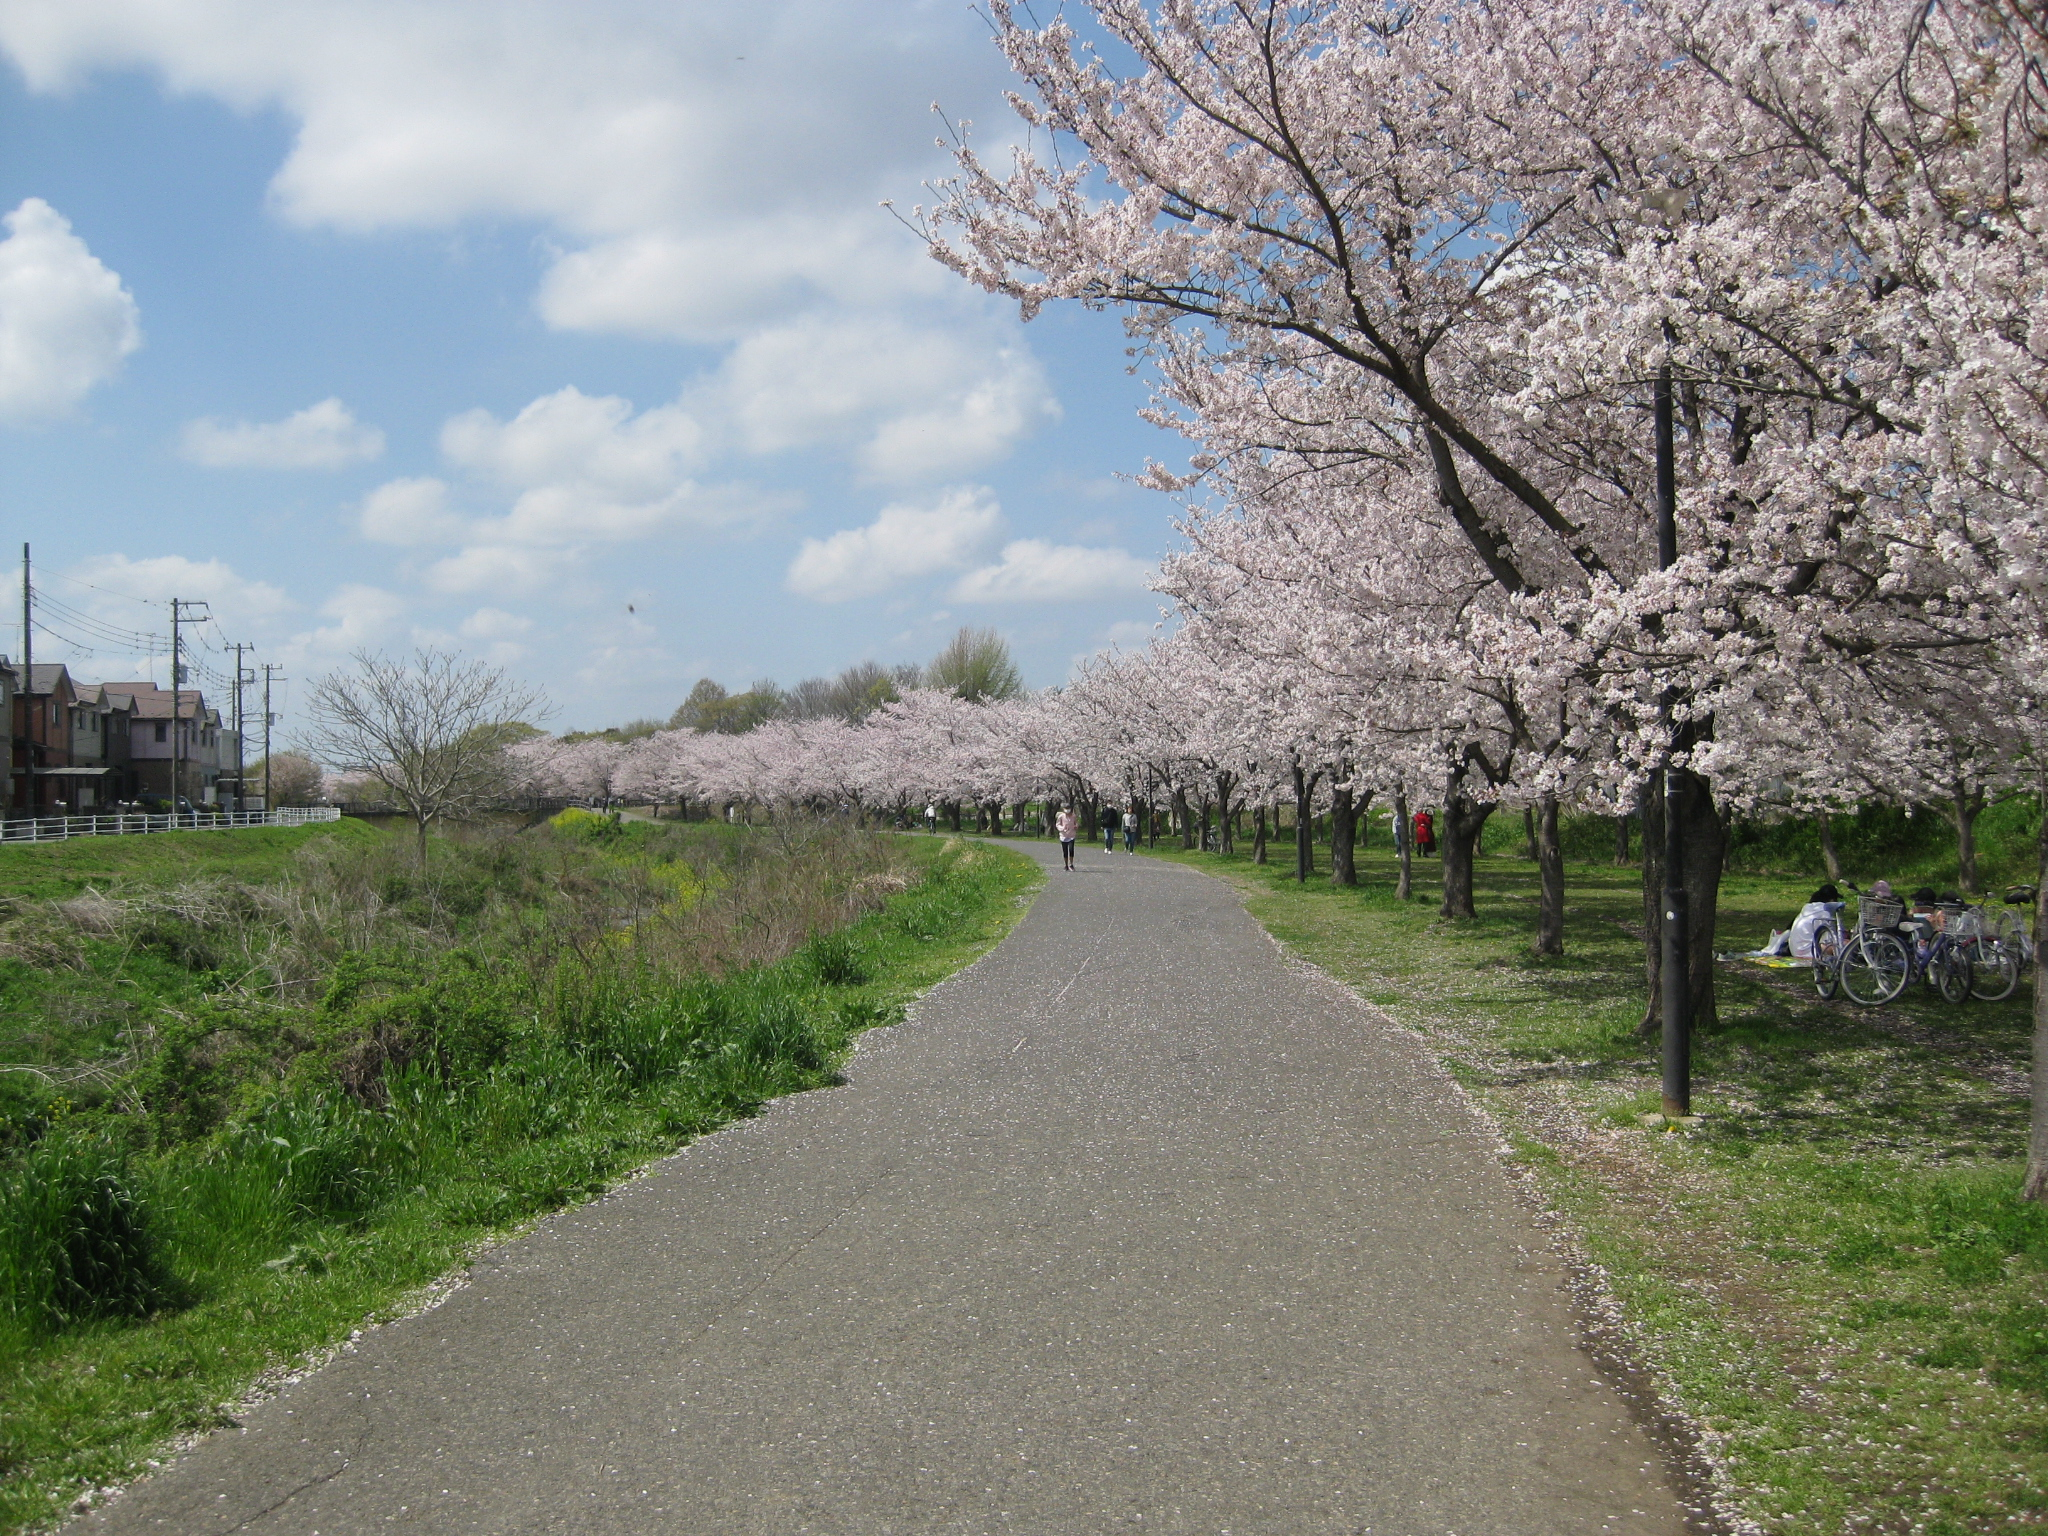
240,678
179,607
177,725
1674,971
28,690
269,668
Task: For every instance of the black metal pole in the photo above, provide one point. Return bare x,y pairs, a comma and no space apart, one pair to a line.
1674,971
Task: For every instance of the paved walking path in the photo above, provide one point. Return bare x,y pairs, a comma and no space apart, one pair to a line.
1132,1228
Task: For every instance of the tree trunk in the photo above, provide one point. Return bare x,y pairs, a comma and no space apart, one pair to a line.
421,822
1965,806
1706,848
1550,879
1344,837
1827,846
1184,817
1620,840
1529,833
1259,836
1404,847
1457,837
1304,824
2036,1186
1225,843
953,814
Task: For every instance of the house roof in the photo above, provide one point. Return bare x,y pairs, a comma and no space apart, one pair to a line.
154,703
104,696
44,676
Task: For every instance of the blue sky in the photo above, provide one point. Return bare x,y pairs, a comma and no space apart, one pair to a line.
570,334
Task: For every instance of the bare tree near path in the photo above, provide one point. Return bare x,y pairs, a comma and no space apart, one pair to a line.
432,729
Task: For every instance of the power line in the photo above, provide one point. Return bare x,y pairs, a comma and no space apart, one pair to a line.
112,634
128,597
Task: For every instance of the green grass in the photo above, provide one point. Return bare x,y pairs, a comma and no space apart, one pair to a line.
232,1245
55,871
71,1000
1834,1270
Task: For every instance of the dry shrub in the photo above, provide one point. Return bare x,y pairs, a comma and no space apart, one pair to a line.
768,895
870,893
94,912
42,937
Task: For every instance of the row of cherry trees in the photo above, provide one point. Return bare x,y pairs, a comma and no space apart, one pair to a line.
1453,302
929,746
1584,392
1414,279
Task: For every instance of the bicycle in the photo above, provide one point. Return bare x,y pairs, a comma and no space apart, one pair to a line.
1997,948
1869,963
1941,952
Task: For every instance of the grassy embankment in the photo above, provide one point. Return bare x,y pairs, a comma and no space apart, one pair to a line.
1834,1271
274,1082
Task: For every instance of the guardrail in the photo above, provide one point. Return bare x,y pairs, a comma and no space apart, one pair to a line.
56,829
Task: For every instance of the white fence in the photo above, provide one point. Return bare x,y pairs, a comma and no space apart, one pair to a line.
55,829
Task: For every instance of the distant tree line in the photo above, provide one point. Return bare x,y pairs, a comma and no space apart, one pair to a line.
974,665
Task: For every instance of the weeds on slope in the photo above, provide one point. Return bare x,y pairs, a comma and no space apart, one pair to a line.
344,1083
1834,1270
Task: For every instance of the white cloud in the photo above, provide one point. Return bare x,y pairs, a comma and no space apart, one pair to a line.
608,122
904,541
1034,571
577,470
65,320
323,436
707,174
585,467
916,402
361,617
504,570
494,624
410,511
496,630
717,282
235,599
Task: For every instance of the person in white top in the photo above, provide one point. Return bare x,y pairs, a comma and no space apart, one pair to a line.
1068,825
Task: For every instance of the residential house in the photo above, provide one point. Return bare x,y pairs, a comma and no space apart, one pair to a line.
101,738
44,708
196,746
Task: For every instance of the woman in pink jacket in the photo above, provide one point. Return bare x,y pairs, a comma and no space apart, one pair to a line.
1068,825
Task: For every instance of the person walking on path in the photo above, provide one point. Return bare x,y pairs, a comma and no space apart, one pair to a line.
1110,822
1131,831
1425,833
1068,825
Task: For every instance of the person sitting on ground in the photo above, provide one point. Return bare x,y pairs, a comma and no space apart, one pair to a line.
1924,919
1820,907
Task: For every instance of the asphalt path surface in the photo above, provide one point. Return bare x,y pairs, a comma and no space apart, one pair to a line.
1133,1226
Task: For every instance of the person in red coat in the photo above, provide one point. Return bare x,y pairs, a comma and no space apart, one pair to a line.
1425,833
